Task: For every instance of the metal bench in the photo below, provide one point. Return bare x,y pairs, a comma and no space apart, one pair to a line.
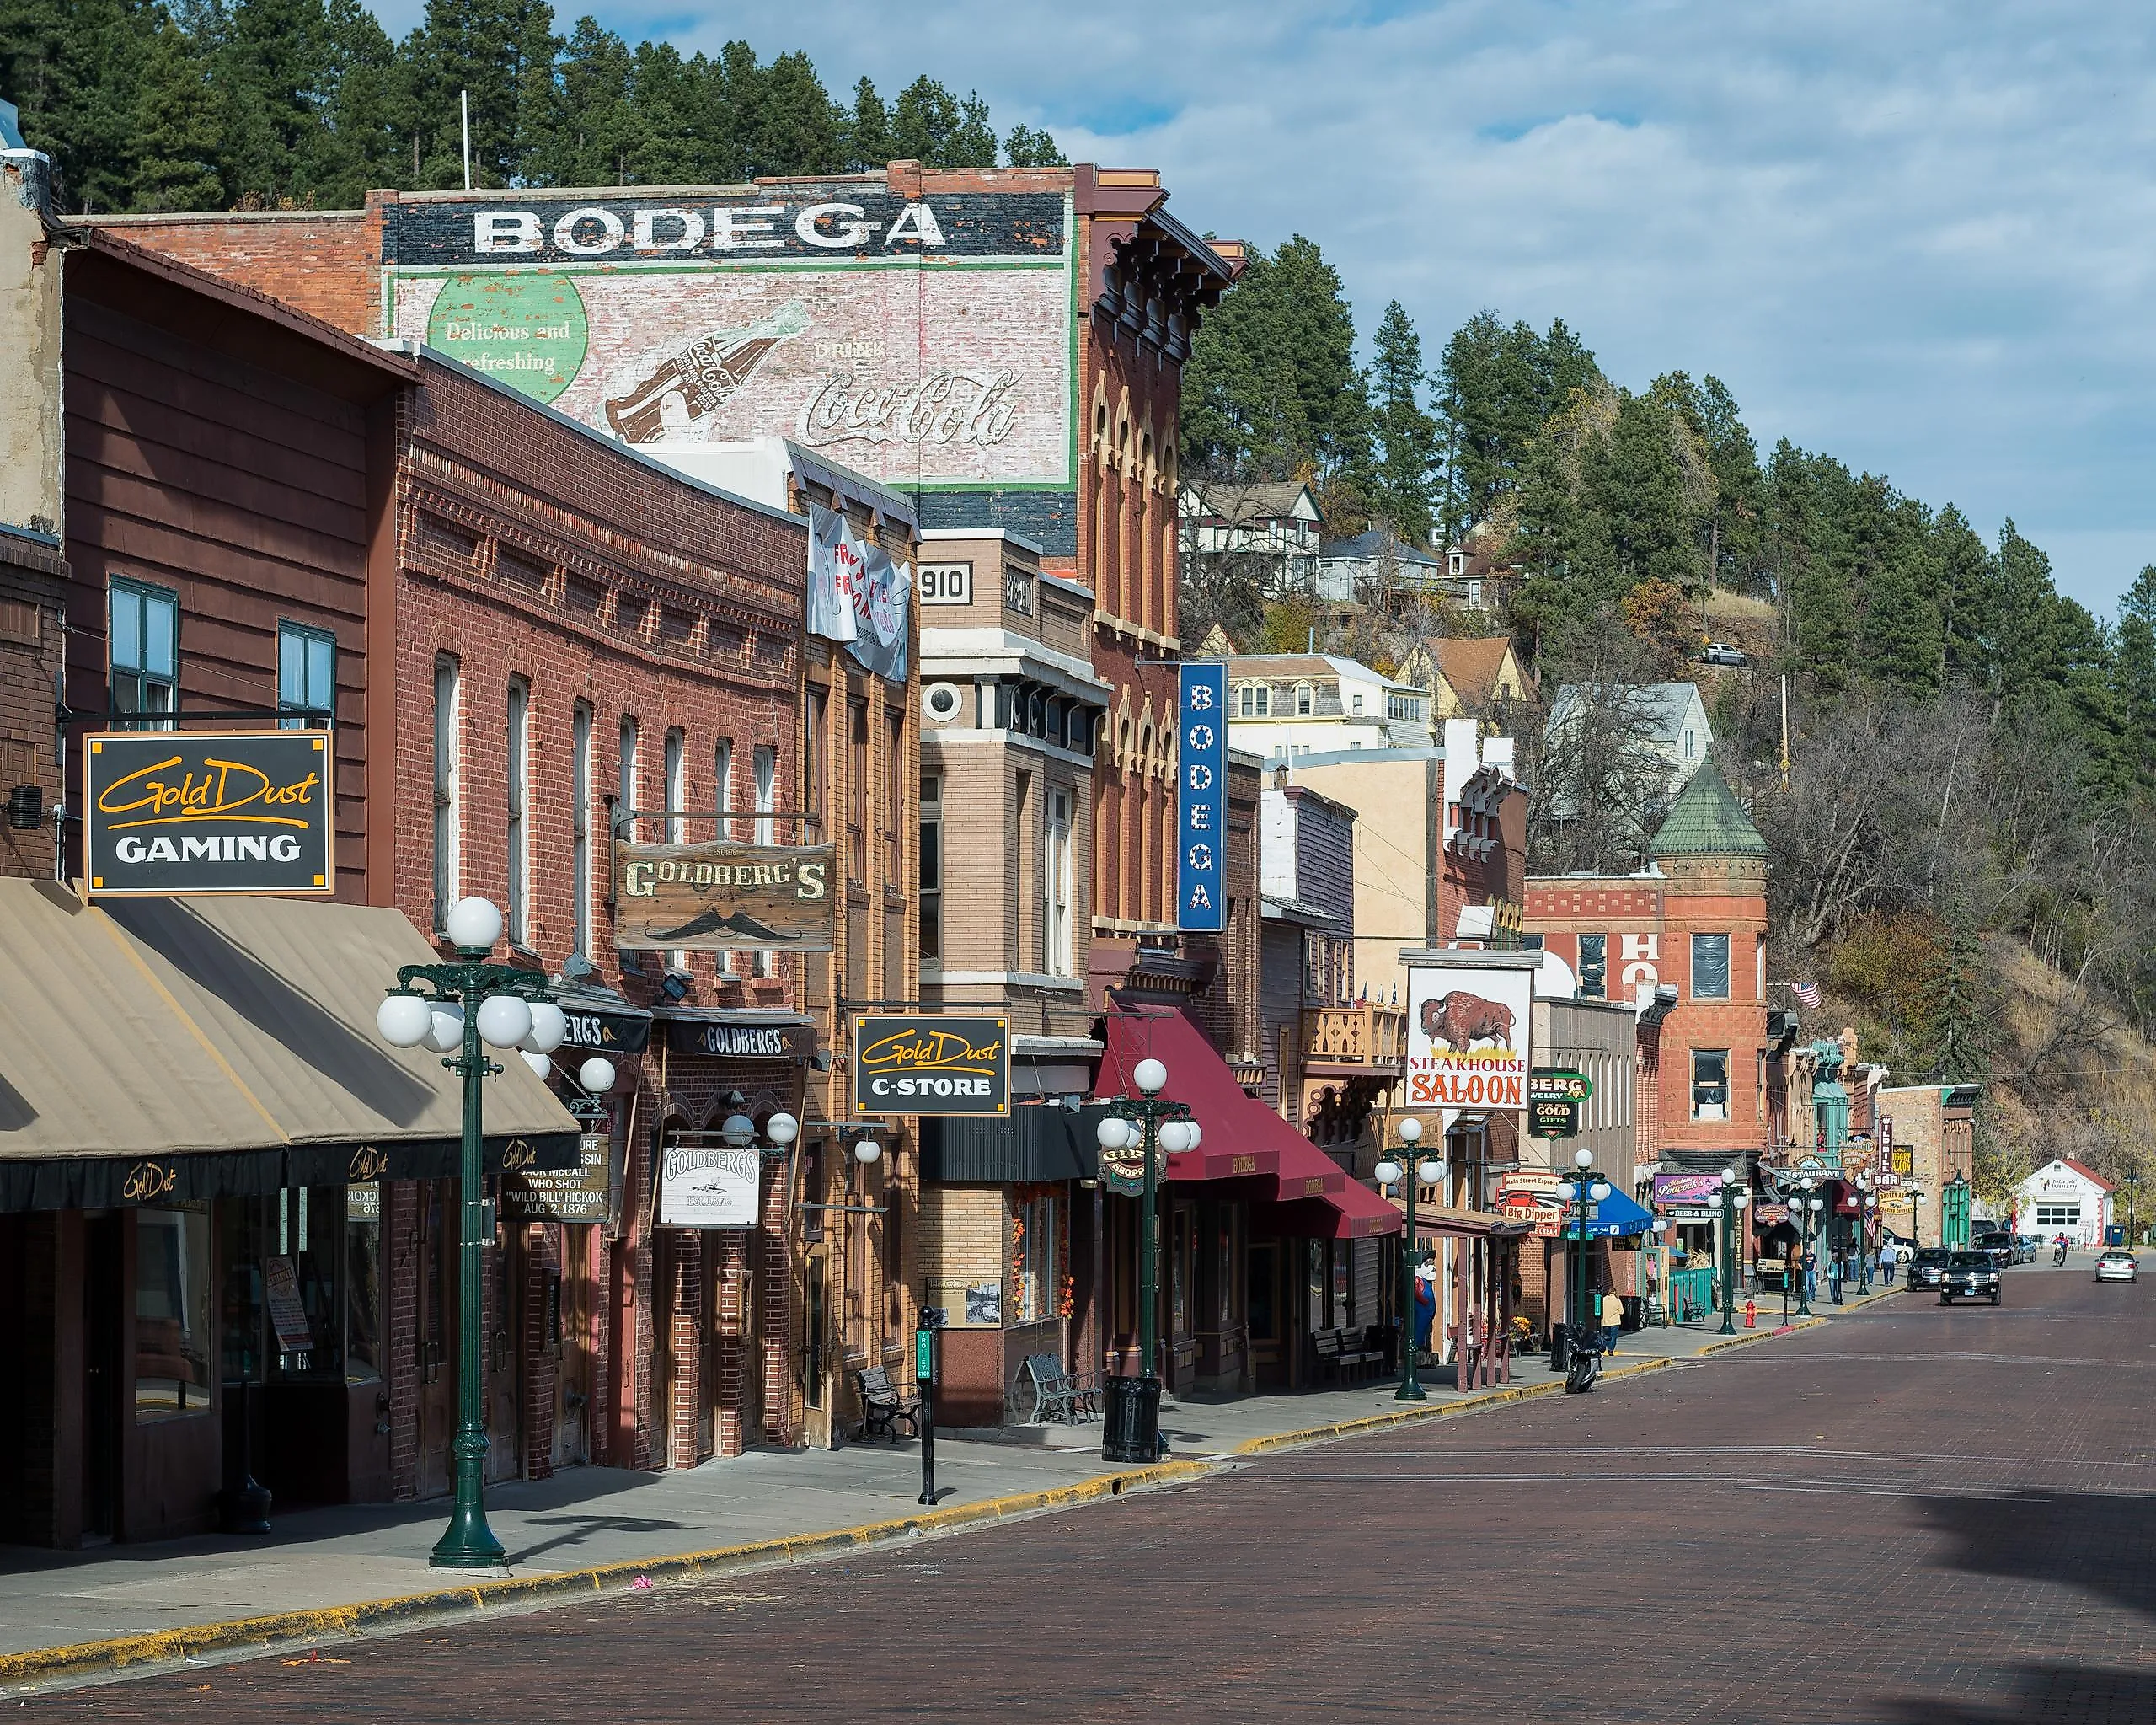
1065,1397
884,1407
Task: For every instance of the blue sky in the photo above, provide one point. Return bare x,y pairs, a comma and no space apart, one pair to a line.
1916,235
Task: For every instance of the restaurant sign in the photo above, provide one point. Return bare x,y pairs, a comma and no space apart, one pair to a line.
1468,1035
578,1194
723,897
171,813
931,1065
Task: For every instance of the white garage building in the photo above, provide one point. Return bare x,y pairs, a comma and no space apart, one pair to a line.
2065,1197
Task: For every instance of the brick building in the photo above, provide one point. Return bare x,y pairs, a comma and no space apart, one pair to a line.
1697,922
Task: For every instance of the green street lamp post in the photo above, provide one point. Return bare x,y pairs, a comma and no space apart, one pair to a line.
1387,1172
452,1009
1734,1203
1131,1430
1582,1188
1808,1205
2133,1231
1867,1209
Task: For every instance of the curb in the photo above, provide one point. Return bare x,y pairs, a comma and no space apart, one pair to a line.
40,1667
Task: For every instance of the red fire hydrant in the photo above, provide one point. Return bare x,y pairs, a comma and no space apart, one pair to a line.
1751,1314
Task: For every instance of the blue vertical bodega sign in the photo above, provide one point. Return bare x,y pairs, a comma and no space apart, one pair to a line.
1201,784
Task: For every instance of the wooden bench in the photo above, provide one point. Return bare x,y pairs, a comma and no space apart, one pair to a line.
884,1407
1336,1349
1067,1397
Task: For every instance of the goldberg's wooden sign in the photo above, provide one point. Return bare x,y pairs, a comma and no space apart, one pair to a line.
721,897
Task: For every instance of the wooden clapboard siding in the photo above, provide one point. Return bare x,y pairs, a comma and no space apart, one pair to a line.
213,449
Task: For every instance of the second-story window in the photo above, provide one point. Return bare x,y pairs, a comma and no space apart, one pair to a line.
930,869
722,784
857,792
307,676
1594,966
765,763
813,750
580,861
894,799
1710,966
1055,881
676,760
1303,700
448,775
144,666
625,784
520,728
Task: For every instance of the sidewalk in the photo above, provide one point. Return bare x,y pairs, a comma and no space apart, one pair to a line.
327,1573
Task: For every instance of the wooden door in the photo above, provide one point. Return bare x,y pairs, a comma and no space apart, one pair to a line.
569,1327
818,1351
435,1335
502,1263
1266,1303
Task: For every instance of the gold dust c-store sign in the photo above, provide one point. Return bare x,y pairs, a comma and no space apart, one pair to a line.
171,813
932,1064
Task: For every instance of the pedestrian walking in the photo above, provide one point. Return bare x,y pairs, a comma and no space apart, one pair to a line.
1888,1259
1613,1319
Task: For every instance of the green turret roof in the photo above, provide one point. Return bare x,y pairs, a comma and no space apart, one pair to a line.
1707,820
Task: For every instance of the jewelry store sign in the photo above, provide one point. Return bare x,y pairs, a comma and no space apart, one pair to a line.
931,1065
723,897
176,812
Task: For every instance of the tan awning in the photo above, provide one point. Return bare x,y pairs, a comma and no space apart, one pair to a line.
192,1047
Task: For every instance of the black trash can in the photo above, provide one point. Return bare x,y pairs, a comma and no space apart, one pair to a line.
1131,1420
1635,1312
1561,1347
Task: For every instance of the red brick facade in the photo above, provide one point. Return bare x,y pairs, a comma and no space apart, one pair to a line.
1648,922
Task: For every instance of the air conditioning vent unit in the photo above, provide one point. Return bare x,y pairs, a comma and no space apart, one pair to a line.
943,702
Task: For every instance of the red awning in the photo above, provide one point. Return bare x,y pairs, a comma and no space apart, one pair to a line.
1240,1137
1353,1212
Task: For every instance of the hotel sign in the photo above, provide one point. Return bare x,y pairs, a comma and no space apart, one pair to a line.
932,1065
723,897
170,812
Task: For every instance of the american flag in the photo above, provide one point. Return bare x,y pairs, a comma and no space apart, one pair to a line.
1807,995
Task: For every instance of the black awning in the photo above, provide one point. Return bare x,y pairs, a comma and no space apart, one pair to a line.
1033,1141
105,1182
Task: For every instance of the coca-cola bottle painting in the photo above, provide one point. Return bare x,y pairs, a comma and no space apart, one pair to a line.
704,373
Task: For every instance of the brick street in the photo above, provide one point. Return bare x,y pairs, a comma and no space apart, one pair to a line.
1914,1514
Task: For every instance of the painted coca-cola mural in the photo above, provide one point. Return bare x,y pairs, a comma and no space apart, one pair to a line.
927,343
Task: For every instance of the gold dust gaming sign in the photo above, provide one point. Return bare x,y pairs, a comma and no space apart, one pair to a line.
721,897
201,811
932,1065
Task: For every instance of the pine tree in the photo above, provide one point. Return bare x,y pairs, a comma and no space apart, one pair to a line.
869,147
1633,481
1027,147
71,66
177,126
355,147
268,67
2134,672
789,125
1406,434
595,129
2024,614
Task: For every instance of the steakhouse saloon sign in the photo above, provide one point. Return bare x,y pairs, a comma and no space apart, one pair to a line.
173,812
722,898
1468,1029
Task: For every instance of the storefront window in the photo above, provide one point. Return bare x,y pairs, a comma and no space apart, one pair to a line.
1036,1225
363,1283
172,1313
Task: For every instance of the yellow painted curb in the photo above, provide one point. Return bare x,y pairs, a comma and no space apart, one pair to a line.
45,1665
41,1665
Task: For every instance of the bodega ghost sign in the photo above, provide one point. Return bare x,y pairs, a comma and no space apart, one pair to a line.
171,813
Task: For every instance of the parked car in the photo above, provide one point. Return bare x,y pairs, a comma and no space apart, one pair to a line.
1997,1244
1928,1267
2025,1246
1969,1275
1721,653
2118,1264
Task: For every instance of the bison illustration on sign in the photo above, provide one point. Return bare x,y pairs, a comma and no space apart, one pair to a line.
1460,1019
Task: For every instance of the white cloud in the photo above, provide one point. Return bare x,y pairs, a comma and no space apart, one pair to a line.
1915,236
